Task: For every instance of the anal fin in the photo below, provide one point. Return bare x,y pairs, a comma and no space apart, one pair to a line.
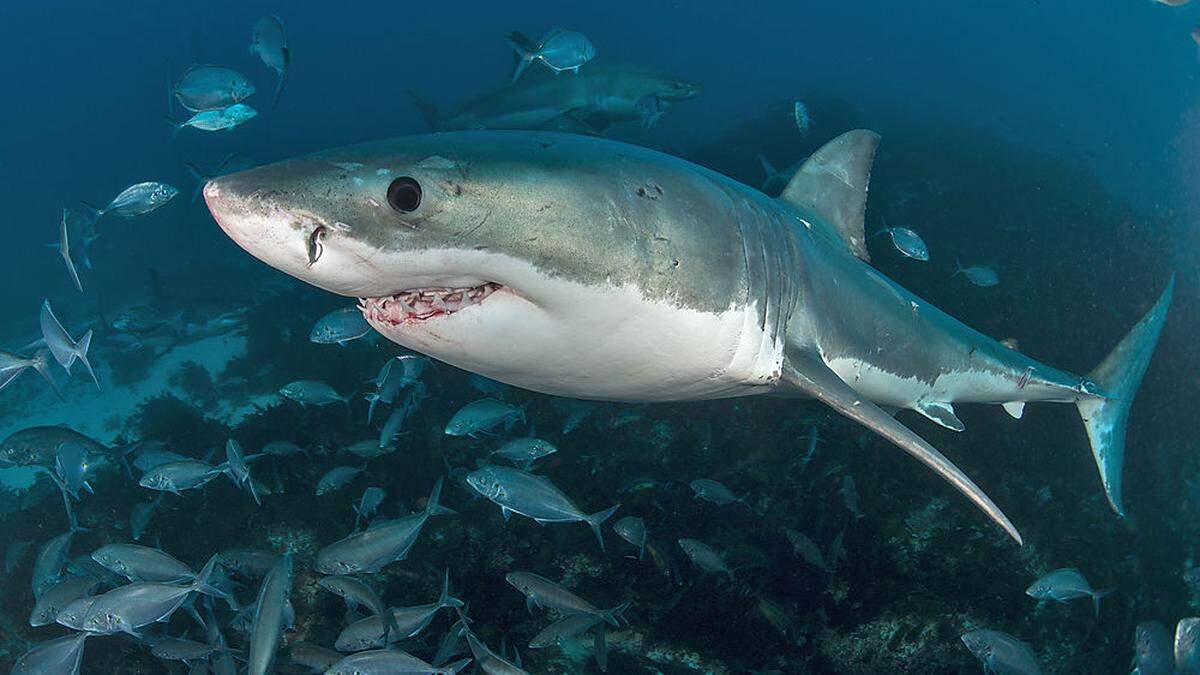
808,373
1014,408
942,413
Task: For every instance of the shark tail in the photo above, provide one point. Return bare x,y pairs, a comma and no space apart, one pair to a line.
1106,415
428,110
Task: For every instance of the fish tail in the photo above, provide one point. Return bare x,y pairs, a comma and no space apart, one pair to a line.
457,666
1097,596
201,179
445,599
616,615
525,53
202,582
282,78
42,365
432,507
1105,412
599,517
427,109
95,211
81,352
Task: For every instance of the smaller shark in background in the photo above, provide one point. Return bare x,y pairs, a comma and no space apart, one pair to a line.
585,102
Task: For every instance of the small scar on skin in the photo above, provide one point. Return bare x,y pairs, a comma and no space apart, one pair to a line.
652,193
544,207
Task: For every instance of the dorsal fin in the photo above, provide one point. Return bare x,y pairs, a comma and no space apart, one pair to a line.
833,184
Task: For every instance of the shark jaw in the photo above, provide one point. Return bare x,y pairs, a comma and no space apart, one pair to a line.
423,304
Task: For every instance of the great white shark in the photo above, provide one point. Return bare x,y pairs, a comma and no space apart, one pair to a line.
588,268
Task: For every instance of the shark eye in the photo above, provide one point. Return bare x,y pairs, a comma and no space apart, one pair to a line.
404,194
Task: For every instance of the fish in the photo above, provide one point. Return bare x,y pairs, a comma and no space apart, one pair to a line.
56,598
316,658
391,428
51,557
1152,650
12,365
490,662
175,477
800,115
1173,3
805,548
633,530
775,179
180,649
14,554
406,622
336,478
450,644
248,562
139,517
525,451
137,200
383,543
368,504
65,350
272,615
810,267
1001,652
850,496
64,249
129,608
535,497
269,43
559,50
1064,585
488,387
341,326
389,661
980,275
151,458
312,392
370,448
704,556
593,99
396,374
71,469
650,110
143,319
482,416
206,87
358,594
239,469
283,449
231,163
909,243
567,627
714,492
541,592
142,563
1187,646
60,656
574,411
218,120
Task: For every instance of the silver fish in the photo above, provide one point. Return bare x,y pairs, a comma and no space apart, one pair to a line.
907,242
204,87
535,497
805,548
488,387
174,477
269,43
391,662
1064,585
64,249
142,563
541,592
179,649
1001,653
139,199
712,491
525,451
633,530
1187,646
71,469
12,365
980,275
800,114
383,543
248,563
312,392
391,428
57,597
406,622
336,478
368,504
559,50
139,518
482,416
567,627
341,326
283,449
219,120
60,656
358,594
64,349
574,411
850,495
51,557
1153,651
704,556
149,459
490,662
36,446
369,448
239,468
231,163
272,614
317,659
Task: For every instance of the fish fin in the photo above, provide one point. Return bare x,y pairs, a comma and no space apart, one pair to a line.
82,354
287,59
445,599
529,604
833,184
203,577
769,170
616,615
1106,414
1099,595
432,506
201,179
808,374
457,666
600,647
93,210
64,249
942,413
62,347
428,110
599,517
506,513
42,366
525,53
1014,408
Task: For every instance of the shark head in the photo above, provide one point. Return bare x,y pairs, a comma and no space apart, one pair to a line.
505,253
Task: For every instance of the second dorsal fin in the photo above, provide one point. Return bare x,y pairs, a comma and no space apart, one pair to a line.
833,182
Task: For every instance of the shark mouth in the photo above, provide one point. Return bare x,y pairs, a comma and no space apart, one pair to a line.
421,304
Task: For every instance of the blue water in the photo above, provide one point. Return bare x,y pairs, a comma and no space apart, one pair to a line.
1055,141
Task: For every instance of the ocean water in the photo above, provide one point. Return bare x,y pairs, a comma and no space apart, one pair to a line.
1054,143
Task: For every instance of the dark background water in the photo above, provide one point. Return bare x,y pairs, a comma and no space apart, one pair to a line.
1055,141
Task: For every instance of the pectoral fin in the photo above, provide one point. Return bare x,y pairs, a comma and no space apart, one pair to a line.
942,413
809,374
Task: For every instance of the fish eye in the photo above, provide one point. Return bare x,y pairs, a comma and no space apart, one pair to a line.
404,194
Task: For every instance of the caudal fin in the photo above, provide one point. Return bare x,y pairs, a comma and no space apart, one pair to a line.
427,109
82,354
616,615
596,519
1096,597
203,582
1106,413
525,53
432,506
